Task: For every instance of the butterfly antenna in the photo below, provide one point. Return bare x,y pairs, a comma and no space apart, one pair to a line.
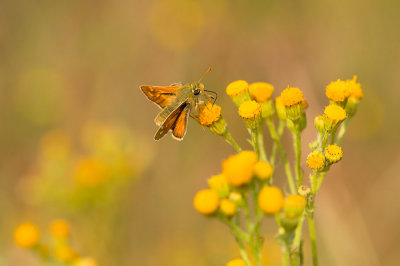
208,70
214,98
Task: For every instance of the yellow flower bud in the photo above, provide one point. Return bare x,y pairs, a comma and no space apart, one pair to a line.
316,160
292,99
337,91
26,235
333,116
270,199
59,228
294,206
250,112
236,198
210,116
304,191
238,168
319,124
219,183
333,153
263,170
206,201
236,262
227,207
261,91
238,91
65,253
280,108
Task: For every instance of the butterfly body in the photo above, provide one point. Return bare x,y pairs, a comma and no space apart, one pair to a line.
178,103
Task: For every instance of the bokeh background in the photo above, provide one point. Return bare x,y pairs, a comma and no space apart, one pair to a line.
76,132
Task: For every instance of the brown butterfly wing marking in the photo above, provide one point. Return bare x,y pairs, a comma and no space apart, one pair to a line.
180,126
170,122
163,96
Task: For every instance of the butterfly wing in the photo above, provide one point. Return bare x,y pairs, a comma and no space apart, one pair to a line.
180,126
180,116
163,96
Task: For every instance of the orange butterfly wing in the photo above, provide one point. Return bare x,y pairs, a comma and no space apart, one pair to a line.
176,122
163,96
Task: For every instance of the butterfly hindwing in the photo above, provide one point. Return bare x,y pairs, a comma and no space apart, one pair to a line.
180,126
171,120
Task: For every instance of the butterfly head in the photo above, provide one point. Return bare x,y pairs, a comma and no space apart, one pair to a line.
197,88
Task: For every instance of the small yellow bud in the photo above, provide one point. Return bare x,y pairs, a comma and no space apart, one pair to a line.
238,91
219,183
227,207
236,198
294,206
206,201
238,168
250,112
292,99
59,228
333,116
316,160
65,253
319,124
270,199
333,153
263,170
26,235
304,191
236,262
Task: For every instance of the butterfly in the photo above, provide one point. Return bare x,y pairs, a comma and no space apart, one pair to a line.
178,101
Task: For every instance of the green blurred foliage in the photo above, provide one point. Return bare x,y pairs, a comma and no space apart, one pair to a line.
64,64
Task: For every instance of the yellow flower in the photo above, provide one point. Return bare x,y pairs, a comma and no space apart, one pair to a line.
238,91
280,108
26,235
59,228
219,183
337,91
333,153
292,99
238,168
333,115
227,207
206,201
270,199
250,112
261,91
355,88
263,170
294,206
236,262
65,253
87,261
316,160
319,123
209,113
90,172
291,96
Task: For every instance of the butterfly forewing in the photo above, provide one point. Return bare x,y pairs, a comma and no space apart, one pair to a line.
163,96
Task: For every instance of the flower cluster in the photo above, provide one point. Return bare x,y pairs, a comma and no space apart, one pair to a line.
28,236
244,192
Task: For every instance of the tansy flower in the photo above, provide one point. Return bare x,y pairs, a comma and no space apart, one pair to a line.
270,199
238,168
292,99
355,88
261,91
333,153
227,207
219,183
316,160
294,206
238,91
337,91
250,112
59,228
333,115
206,201
319,123
236,262
263,170
26,235
65,253
210,116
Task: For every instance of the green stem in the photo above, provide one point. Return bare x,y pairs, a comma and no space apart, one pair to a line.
260,143
297,149
281,128
311,226
228,138
286,165
342,131
297,239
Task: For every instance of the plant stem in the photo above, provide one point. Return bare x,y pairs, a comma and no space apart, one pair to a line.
228,138
286,164
281,128
342,130
311,226
297,238
260,143
297,149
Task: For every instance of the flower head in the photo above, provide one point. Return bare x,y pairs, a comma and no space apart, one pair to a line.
206,201
65,253
270,199
333,153
26,235
333,116
355,88
219,183
263,170
338,91
316,160
227,207
250,111
59,228
238,168
294,206
236,262
261,91
280,108
238,91
209,113
291,96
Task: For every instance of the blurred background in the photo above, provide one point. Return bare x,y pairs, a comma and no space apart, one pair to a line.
77,133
